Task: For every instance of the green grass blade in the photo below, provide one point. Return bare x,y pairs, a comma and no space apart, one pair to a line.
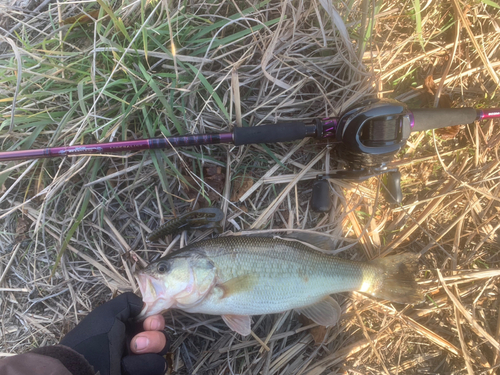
25,145
117,22
225,42
205,30
144,30
491,3
418,22
162,99
211,90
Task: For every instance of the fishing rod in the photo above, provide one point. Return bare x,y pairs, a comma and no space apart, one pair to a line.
368,134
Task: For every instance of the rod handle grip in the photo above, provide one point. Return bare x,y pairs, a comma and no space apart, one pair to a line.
435,118
282,132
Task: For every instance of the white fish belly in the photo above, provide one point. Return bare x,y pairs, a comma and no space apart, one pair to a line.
273,296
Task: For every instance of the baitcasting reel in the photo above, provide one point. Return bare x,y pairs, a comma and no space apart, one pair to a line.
369,135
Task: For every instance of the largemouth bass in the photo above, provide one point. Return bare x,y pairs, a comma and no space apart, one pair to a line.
237,277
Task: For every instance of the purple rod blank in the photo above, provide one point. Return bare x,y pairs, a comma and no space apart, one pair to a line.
115,147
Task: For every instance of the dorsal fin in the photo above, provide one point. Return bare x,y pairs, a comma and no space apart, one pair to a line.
316,239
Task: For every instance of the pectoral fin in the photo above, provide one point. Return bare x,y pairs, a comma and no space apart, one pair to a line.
237,285
238,323
325,312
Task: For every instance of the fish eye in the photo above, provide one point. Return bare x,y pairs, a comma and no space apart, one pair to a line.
163,267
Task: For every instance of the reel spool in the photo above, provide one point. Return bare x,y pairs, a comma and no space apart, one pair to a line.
370,134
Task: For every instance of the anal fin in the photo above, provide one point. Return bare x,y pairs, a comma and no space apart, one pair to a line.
325,312
238,323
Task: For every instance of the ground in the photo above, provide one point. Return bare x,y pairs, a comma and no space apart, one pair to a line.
90,72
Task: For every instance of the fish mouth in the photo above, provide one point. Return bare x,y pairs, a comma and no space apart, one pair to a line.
154,295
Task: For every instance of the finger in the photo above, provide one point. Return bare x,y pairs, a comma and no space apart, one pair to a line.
148,342
154,323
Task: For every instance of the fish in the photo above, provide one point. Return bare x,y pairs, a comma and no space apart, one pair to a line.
238,277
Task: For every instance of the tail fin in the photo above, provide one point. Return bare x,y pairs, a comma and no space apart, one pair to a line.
397,282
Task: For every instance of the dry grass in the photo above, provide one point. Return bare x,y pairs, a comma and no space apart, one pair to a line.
250,63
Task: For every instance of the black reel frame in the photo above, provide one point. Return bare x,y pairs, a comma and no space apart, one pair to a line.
369,135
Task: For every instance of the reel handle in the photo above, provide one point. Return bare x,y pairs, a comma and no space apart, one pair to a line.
320,196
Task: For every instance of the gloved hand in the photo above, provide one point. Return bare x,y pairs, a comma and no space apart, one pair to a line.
105,339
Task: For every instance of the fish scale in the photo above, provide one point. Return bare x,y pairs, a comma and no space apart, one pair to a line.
285,275
238,277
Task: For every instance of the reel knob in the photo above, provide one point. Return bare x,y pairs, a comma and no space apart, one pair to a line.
320,197
392,191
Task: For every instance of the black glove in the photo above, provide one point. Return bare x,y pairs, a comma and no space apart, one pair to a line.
103,338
